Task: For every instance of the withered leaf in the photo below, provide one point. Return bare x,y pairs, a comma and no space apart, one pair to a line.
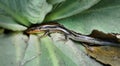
113,37
105,54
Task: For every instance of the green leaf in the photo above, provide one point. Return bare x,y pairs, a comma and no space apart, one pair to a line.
103,18
13,9
19,51
35,10
9,23
33,50
49,55
69,8
12,49
25,11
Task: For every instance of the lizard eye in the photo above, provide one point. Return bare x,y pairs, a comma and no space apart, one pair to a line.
32,28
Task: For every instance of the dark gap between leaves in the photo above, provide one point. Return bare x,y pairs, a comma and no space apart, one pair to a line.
6,31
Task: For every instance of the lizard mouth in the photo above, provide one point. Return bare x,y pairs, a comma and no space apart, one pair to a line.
33,31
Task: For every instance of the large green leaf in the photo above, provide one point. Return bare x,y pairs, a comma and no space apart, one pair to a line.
12,8
36,10
48,54
69,8
12,49
9,23
25,11
19,51
104,18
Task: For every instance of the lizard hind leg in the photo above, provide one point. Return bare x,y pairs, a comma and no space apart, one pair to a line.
64,39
